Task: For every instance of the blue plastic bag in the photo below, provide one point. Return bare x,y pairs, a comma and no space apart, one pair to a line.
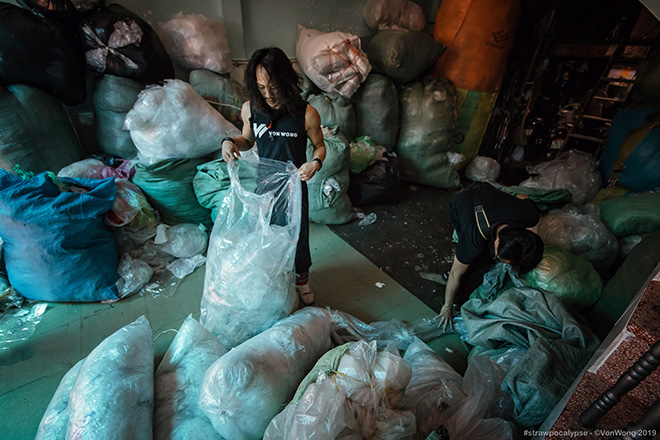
57,247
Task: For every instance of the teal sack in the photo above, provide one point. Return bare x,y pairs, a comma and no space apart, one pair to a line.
168,185
211,184
328,190
571,278
334,109
223,93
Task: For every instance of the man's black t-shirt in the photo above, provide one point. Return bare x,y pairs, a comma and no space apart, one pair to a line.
500,208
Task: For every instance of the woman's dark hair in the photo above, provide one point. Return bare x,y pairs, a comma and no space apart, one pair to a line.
522,247
282,75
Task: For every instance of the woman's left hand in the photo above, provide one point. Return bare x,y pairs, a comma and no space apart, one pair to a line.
307,170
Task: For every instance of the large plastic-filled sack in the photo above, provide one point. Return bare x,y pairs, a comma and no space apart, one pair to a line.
403,55
184,240
118,42
376,105
578,229
571,278
482,169
62,10
434,386
625,121
173,122
168,187
575,171
41,54
114,97
131,207
36,132
178,380
223,93
425,136
481,414
631,214
335,110
558,346
196,42
249,282
328,189
244,389
54,422
211,184
334,61
638,164
57,247
356,394
113,395
393,14
379,184
109,394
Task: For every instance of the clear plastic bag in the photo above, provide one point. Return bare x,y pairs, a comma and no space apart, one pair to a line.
483,169
249,281
579,230
244,389
196,42
184,240
54,421
134,274
174,122
177,382
130,207
575,171
113,393
18,324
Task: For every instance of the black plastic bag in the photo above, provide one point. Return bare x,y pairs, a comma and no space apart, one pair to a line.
39,53
378,184
118,42
62,10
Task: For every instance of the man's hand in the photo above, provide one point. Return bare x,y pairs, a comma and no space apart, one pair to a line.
446,321
307,170
230,152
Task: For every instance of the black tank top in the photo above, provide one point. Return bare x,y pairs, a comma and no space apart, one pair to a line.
281,136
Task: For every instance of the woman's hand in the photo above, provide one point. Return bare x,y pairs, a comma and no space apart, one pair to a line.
230,151
446,322
307,170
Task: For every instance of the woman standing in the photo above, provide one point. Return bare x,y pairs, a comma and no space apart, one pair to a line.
279,121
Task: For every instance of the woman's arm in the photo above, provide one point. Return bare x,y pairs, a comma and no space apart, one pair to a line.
454,280
315,135
231,148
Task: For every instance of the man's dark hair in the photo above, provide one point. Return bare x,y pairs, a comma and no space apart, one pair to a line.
522,247
282,75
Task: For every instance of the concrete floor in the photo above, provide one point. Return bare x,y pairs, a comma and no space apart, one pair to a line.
31,370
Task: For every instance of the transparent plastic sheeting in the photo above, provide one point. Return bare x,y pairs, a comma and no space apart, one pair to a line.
244,389
174,122
250,282
18,324
177,382
362,399
108,395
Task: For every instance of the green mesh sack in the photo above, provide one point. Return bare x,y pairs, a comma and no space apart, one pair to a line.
35,132
335,109
328,189
363,152
114,96
224,94
571,278
403,55
211,184
169,189
425,134
376,105
632,214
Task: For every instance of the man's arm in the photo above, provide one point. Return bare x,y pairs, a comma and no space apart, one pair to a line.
315,135
454,280
230,149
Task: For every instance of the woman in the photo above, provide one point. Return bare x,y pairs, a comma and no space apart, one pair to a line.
279,121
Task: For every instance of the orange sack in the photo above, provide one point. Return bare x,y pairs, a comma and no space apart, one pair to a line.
478,35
